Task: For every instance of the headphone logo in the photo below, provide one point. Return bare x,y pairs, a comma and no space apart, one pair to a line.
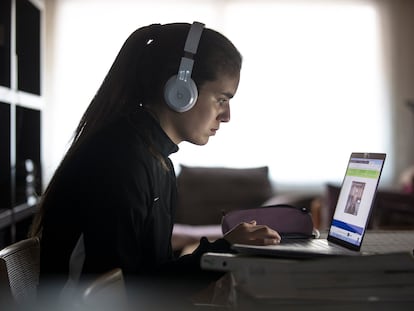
180,91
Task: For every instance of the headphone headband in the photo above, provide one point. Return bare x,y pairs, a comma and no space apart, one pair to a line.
193,38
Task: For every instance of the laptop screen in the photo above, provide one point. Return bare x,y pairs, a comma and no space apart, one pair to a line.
356,199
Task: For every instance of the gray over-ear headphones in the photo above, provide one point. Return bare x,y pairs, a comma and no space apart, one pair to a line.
180,91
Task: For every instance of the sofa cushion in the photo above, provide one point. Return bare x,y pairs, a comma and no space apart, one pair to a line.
205,193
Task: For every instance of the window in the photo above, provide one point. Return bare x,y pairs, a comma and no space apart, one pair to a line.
312,83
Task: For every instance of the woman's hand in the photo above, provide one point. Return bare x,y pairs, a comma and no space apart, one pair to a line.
251,233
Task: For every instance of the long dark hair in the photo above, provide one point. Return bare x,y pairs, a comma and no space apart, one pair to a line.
148,58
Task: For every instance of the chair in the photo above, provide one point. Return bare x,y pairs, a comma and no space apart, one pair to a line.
394,211
106,292
19,271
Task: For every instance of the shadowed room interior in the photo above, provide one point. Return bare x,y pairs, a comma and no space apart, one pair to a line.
319,78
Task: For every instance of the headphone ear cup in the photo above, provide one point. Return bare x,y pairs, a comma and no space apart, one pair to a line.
180,95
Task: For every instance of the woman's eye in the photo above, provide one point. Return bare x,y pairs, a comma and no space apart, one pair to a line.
223,101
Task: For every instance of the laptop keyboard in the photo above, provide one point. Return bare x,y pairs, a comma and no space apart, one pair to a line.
374,242
308,243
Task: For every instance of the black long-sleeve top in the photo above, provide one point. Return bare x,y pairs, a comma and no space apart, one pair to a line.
117,193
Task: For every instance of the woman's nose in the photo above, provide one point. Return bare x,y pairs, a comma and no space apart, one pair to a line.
225,114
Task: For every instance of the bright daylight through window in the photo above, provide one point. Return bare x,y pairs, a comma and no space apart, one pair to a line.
312,84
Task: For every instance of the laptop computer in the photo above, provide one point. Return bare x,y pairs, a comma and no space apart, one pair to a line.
350,218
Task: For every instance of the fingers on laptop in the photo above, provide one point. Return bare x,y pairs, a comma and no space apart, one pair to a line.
263,235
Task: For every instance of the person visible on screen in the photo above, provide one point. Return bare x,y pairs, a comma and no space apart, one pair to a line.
112,200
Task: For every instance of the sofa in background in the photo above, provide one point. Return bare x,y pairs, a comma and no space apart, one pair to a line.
206,193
